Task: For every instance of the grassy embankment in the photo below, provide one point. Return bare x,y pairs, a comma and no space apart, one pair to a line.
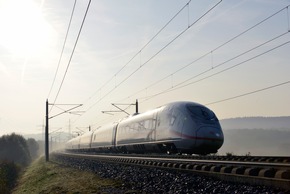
49,177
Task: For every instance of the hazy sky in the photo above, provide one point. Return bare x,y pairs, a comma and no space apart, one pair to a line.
113,63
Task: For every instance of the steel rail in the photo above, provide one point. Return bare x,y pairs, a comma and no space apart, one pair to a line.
184,160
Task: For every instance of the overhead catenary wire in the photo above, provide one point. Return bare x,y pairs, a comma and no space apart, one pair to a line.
236,65
64,43
212,51
233,58
214,74
72,53
170,42
288,19
139,52
248,93
175,87
154,55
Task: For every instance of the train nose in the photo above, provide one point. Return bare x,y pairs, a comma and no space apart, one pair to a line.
209,139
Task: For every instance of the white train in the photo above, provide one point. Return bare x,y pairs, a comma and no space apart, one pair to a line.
178,127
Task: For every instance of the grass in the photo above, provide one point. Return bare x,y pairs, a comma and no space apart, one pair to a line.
49,177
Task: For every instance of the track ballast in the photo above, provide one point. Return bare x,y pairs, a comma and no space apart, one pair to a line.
254,170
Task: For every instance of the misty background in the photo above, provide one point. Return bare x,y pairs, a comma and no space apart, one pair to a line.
261,136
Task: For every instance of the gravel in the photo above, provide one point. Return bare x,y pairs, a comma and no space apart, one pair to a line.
137,179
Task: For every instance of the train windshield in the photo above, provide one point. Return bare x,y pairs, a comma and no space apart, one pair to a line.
202,113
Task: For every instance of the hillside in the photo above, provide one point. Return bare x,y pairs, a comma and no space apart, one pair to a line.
262,142
257,123
257,136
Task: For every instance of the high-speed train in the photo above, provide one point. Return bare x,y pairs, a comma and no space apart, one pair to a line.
178,127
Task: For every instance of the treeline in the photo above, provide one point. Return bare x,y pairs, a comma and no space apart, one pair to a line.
15,154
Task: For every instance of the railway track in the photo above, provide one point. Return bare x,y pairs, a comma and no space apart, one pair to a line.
257,170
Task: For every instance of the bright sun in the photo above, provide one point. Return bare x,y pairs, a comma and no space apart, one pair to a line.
23,28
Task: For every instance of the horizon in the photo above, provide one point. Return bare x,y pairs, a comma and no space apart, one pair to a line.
247,117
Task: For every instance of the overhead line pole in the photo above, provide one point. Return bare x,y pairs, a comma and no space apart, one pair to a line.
47,125
46,134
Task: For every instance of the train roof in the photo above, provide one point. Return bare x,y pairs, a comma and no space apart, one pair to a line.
172,104
182,103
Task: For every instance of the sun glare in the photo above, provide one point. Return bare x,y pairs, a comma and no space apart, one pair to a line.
23,28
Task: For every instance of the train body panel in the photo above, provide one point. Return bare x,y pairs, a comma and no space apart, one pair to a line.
183,127
103,139
137,133
136,129
164,126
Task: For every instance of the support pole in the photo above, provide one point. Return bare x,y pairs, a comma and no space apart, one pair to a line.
46,139
137,106
46,134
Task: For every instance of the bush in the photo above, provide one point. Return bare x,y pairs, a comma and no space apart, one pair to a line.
9,172
14,148
33,148
15,153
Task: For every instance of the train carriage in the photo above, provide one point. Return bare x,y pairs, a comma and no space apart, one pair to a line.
179,127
